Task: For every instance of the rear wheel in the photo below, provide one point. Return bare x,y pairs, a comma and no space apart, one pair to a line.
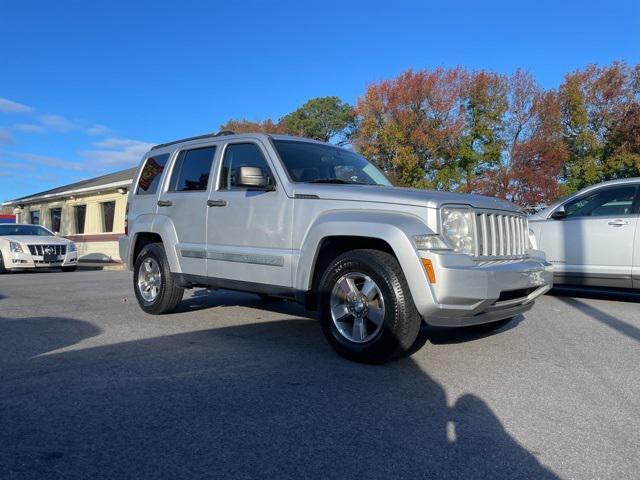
155,288
366,308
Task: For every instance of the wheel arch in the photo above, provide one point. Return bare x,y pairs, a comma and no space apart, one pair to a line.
339,232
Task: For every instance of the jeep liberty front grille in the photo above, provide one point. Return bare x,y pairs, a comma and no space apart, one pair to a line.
500,235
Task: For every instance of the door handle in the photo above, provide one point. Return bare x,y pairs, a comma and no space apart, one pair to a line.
216,203
618,223
165,203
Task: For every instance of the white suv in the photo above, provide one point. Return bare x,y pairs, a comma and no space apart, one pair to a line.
591,238
296,218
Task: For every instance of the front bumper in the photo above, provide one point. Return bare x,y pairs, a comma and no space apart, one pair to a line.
470,293
17,261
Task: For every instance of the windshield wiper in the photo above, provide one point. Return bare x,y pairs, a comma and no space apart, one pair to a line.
337,181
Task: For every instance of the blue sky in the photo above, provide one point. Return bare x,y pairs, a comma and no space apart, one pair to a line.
86,87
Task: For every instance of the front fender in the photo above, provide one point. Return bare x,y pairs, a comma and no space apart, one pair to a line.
396,229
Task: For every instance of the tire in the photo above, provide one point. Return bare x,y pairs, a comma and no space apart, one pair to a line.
163,294
376,329
69,269
489,327
3,269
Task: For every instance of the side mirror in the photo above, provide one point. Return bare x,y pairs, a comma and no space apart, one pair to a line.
57,234
252,177
559,214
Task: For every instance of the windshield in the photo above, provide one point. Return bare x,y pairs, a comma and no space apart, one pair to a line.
6,230
309,162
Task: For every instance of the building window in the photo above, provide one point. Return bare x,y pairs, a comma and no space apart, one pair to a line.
34,217
108,212
56,217
80,213
191,170
151,174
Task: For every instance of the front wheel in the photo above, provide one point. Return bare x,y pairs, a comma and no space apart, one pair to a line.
366,308
69,269
155,288
2,267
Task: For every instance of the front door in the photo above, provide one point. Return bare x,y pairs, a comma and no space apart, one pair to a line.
248,231
593,244
184,202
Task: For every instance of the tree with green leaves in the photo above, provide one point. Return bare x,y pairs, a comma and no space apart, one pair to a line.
328,119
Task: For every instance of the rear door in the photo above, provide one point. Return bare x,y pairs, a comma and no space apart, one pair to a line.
594,243
184,201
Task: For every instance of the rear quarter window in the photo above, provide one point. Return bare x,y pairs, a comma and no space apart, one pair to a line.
151,174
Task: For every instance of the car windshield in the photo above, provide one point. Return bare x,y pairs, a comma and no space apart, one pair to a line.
7,230
309,162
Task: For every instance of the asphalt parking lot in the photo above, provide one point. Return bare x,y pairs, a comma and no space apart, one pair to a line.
91,387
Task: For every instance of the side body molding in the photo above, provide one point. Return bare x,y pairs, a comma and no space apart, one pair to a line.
396,229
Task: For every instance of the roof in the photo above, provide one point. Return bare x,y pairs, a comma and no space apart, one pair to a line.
112,180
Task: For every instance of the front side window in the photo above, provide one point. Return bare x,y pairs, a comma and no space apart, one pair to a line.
56,217
108,213
80,213
239,155
151,174
192,169
34,217
605,202
309,162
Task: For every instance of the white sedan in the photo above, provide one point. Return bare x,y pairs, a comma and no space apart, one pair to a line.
33,246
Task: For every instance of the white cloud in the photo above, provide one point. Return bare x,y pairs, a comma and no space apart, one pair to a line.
117,151
50,161
5,136
8,106
28,128
97,129
58,123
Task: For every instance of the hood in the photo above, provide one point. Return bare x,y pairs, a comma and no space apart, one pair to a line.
401,196
36,240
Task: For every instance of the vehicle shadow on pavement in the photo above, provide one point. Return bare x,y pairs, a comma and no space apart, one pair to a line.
603,317
264,400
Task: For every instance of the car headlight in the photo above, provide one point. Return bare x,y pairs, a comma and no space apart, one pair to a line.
15,247
457,229
72,247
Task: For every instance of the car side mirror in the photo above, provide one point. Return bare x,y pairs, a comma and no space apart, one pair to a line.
559,214
253,177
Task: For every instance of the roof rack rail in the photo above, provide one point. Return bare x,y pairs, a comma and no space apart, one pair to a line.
197,137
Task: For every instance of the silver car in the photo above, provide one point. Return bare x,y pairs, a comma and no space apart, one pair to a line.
33,246
591,237
295,218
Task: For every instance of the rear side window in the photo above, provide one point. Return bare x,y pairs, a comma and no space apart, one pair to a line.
192,169
151,174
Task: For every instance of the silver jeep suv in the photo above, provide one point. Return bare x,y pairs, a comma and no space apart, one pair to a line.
295,218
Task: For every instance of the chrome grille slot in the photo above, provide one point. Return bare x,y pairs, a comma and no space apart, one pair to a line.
500,235
38,250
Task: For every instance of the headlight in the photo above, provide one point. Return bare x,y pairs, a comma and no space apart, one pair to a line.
457,229
72,247
15,247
